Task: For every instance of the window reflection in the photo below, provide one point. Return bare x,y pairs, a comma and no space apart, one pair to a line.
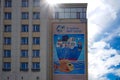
67,15
77,13
61,15
73,15
67,10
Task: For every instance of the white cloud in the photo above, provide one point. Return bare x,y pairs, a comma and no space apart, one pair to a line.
100,15
101,56
100,60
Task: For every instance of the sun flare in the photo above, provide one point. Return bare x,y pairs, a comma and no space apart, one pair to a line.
52,2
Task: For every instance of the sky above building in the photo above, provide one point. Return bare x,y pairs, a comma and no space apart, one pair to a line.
103,38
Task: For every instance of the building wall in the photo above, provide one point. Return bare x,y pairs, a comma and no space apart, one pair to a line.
45,22
82,23
16,47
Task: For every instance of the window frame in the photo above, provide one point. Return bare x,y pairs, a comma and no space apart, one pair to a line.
36,40
7,15
7,28
7,40
74,13
36,28
23,66
24,28
7,3
25,3
7,53
35,53
35,65
24,53
24,15
7,65
36,15
24,41
36,3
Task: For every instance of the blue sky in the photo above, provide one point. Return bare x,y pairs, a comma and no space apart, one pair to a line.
103,38
104,42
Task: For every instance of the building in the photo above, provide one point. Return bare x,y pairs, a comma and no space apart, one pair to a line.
27,41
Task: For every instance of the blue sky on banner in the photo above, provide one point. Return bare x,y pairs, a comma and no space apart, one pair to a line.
103,38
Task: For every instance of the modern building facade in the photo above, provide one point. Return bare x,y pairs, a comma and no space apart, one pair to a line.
27,42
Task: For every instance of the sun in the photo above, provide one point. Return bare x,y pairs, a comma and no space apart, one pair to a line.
52,2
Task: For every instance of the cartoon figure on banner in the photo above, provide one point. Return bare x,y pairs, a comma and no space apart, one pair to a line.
68,50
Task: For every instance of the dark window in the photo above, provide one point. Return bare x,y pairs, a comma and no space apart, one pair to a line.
35,65
36,15
7,40
7,53
6,66
24,40
8,15
36,53
7,28
8,3
36,40
25,3
25,15
36,28
36,3
56,15
24,28
24,53
83,15
78,15
24,66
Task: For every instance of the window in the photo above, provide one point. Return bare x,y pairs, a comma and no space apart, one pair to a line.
8,3
25,3
36,15
73,13
25,15
24,53
67,15
36,3
24,40
36,40
35,66
8,15
7,28
24,28
36,28
24,66
7,40
78,15
56,15
6,66
7,53
36,53
83,15
61,15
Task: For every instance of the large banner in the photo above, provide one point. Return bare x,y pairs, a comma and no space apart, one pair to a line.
69,52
